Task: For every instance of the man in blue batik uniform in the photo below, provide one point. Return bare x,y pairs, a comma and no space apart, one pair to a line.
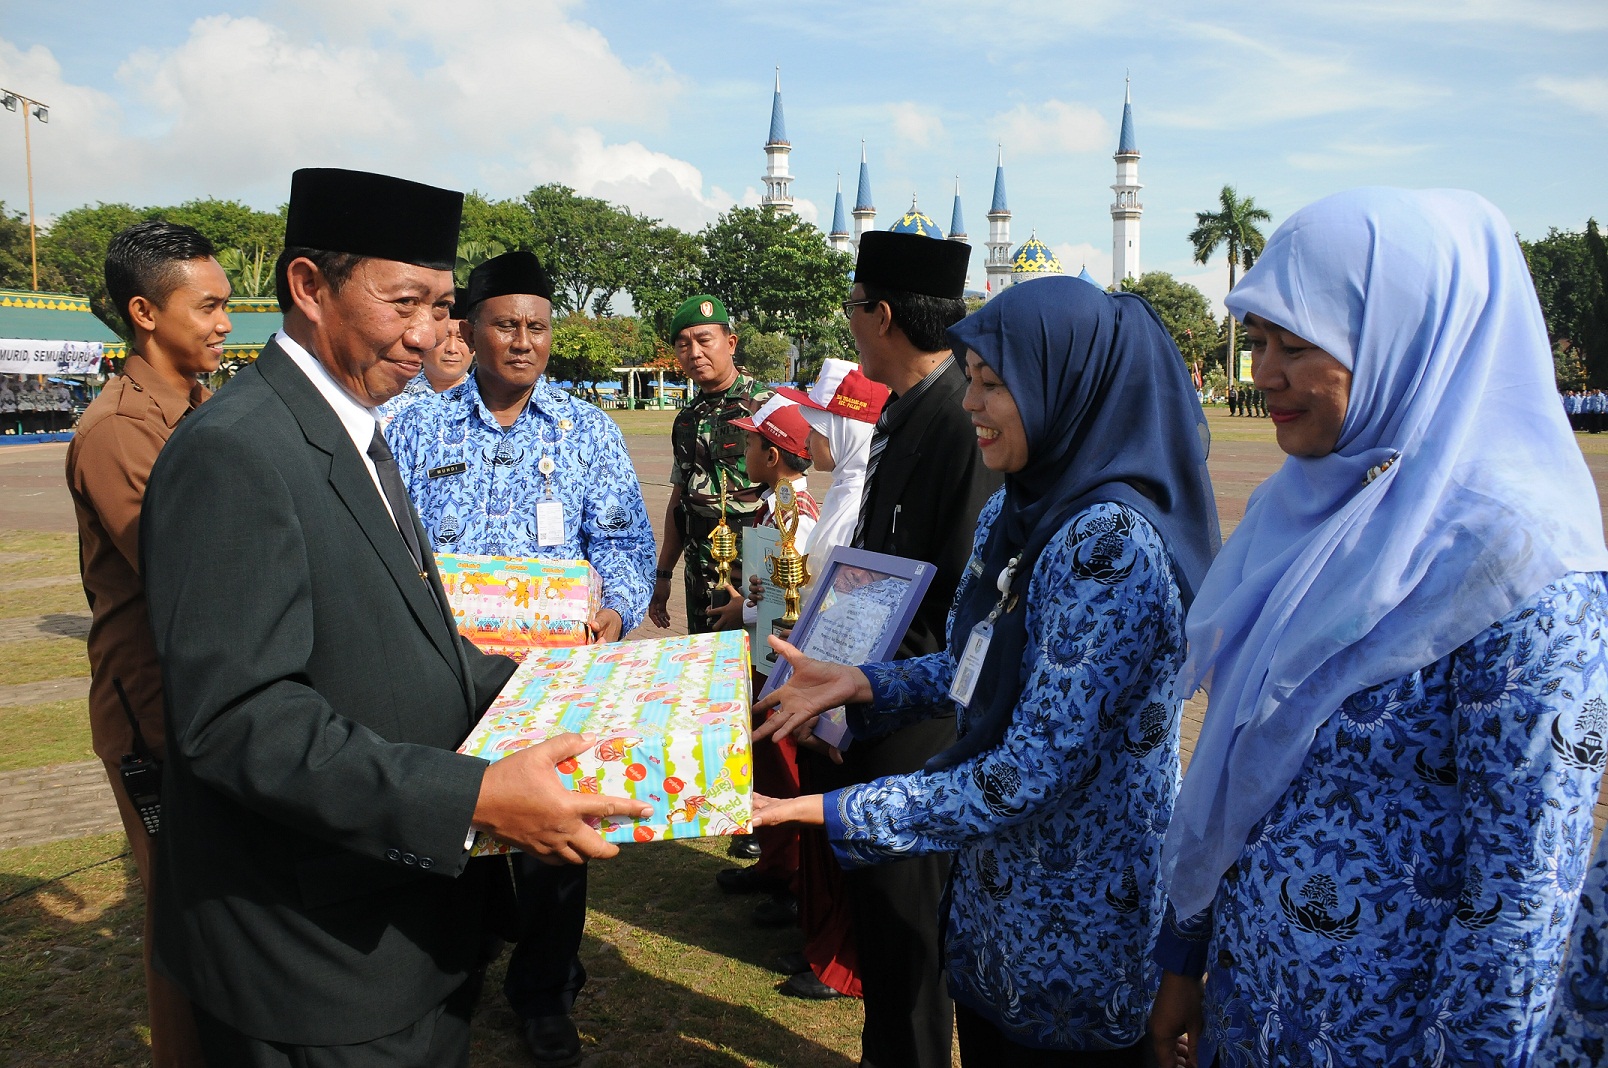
507,465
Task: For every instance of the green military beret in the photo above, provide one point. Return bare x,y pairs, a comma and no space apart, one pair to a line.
695,311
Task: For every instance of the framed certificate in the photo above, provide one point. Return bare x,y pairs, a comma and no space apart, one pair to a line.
856,612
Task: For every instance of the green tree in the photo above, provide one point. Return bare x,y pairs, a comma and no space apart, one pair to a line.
16,264
1184,311
775,271
581,351
1233,228
762,355
669,263
229,224
471,254
72,254
250,275
588,245
1569,282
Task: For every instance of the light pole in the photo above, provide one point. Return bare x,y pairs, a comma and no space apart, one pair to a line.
41,112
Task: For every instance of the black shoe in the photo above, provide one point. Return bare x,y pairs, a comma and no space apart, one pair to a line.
791,964
743,847
553,1040
749,881
779,911
805,985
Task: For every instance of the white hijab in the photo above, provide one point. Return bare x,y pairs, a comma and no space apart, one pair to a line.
850,440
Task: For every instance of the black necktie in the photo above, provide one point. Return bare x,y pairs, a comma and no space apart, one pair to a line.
395,493
879,441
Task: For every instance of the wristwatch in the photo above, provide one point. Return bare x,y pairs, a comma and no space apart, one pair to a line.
663,574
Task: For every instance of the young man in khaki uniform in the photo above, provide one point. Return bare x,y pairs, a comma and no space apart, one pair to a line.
174,297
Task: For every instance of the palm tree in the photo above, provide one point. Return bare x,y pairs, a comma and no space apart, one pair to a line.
250,275
1234,228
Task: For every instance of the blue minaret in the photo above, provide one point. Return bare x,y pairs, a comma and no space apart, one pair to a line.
1126,209
865,213
997,265
957,223
839,237
777,178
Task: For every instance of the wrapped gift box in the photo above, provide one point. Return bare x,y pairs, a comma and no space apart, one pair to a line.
508,605
671,719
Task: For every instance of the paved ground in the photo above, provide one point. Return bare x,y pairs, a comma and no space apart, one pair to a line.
74,799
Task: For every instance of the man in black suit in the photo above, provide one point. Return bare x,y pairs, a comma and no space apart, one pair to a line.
316,819
925,484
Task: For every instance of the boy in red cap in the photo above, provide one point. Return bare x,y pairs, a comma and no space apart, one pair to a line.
778,451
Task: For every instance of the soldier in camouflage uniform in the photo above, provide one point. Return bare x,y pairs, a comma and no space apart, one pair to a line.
704,442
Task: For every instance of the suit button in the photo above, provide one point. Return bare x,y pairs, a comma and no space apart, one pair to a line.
393,854
409,859
425,863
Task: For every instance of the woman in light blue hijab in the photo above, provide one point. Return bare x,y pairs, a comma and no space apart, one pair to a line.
1381,839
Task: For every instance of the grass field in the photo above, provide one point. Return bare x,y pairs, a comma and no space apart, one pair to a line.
678,977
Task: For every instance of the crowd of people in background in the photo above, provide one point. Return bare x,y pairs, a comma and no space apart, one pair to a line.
1243,400
31,406
1587,410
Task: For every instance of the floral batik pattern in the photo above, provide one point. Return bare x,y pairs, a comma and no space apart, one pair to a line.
477,485
1578,1034
1056,831
1408,900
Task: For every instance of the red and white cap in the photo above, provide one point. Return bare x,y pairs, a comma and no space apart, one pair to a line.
842,389
778,421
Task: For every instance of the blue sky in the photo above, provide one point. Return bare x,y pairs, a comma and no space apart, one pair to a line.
664,106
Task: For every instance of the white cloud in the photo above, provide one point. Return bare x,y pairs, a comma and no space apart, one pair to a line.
1352,156
916,125
240,102
1052,128
1588,94
1239,80
1074,258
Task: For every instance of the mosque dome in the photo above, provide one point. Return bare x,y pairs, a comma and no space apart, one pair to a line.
1034,258
915,222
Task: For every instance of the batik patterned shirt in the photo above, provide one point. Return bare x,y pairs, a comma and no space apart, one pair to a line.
1578,1034
477,485
417,389
1056,831
1408,899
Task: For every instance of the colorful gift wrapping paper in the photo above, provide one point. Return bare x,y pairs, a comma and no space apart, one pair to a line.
671,719
508,605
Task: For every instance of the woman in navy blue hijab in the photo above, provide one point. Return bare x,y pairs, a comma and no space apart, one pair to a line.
1065,643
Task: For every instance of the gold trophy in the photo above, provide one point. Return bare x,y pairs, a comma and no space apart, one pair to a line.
789,570
722,550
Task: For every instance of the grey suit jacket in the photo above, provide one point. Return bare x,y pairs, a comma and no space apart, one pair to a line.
314,809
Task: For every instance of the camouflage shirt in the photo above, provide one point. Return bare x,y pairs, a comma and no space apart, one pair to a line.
703,439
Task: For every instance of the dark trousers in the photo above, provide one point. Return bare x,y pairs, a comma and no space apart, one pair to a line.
439,1038
982,1045
545,971
897,911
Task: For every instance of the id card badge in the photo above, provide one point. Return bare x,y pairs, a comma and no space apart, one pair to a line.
971,663
549,522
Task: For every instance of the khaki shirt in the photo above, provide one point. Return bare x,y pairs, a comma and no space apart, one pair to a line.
108,462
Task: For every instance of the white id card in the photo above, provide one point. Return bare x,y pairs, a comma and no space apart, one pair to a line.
971,663
549,522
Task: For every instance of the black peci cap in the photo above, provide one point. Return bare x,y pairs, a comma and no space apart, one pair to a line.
913,263
373,215
512,272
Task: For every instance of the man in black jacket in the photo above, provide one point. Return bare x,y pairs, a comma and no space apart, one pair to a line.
925,484
315,815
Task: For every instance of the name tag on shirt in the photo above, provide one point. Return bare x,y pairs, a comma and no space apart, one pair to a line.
447,469
971,664
549,522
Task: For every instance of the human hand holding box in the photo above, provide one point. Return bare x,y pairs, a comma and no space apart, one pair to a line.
671,720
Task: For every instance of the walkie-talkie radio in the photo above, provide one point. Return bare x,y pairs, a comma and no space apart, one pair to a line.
140,771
